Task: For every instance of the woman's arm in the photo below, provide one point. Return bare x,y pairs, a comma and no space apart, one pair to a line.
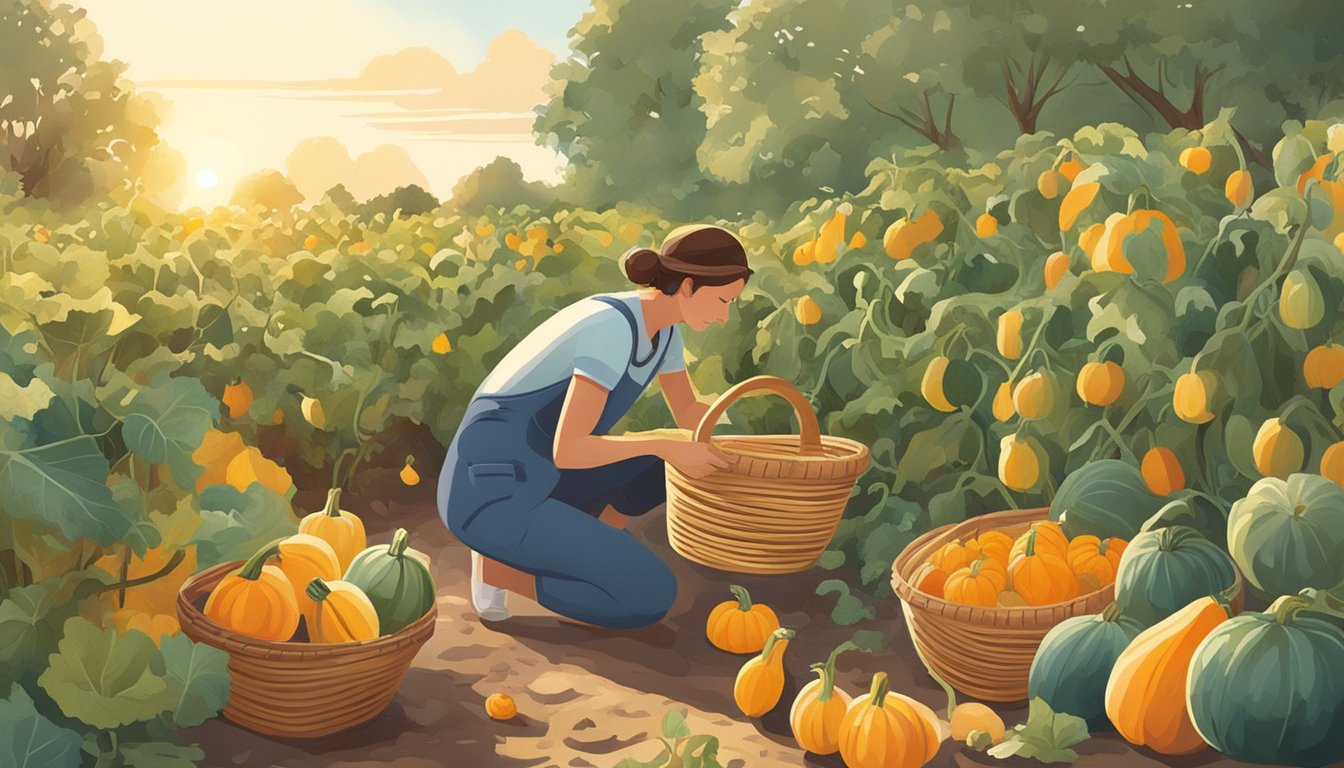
682,400
576,447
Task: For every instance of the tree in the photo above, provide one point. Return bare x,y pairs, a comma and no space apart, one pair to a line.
622,108
70,125
269,190
410,200
500,183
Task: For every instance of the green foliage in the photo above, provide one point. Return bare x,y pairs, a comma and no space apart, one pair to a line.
410,200
499,183
268,191
29,740
1047,736
680,747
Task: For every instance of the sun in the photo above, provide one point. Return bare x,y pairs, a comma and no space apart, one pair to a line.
206,178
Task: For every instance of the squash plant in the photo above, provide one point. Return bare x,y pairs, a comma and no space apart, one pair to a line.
680,747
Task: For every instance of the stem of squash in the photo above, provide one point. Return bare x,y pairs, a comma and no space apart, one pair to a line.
828,669
947,689
879,689
251,570
743,597
399,541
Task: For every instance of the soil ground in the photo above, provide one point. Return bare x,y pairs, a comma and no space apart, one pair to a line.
588,697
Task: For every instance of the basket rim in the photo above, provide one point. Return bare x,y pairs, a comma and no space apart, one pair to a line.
995,615
221,636
853,449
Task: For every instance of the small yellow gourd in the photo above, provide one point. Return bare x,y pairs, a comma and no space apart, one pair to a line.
343,530
238,397
304,557
342,613
500,706
408,474
760,682
820,707
256,600
740,626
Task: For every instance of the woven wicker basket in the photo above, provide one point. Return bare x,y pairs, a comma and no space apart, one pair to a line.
300,689
776,508
987,652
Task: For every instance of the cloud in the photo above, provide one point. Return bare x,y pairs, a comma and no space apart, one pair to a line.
322,162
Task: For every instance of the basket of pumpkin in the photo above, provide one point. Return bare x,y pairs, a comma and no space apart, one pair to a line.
979,596
319,627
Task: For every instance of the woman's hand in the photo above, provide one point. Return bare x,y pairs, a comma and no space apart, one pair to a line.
695,459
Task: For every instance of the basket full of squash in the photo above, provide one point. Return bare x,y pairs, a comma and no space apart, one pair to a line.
319,627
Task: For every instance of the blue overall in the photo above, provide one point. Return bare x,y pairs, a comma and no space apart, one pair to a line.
501,494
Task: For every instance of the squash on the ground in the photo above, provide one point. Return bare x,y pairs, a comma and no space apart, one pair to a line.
760,682
739,625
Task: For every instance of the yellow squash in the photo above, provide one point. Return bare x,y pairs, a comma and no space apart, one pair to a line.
342,613
1075,202
1278,451
1019,466
343,530
807,310
1101,383
1056,267
1196,159
1238,189
1009,336
1034,396
1193,396
820,707
1162,471
986,225
1109,256
760,682
1048,184
304,557
887,730
1003,402
1332,464
904,236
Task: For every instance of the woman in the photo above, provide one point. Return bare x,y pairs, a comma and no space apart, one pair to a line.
534,484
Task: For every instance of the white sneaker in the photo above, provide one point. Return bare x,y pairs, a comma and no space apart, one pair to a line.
490,602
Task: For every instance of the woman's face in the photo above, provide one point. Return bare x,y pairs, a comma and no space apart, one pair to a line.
708,304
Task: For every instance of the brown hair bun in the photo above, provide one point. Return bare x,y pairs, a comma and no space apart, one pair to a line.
642,266
703,253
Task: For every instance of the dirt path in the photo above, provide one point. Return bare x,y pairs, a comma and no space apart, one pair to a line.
589,697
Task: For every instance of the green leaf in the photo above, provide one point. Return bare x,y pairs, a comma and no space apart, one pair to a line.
235,523
674,725
31,617
870,640
1046,736
848,608
658,762
832,559
23,402
29,740
166,422
104,678
197,677
160,754
64,483
701,752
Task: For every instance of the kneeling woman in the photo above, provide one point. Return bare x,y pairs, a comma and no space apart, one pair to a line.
534,484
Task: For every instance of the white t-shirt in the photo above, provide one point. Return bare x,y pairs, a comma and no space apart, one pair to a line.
587,337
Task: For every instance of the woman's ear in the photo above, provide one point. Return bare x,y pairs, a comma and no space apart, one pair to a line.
686,288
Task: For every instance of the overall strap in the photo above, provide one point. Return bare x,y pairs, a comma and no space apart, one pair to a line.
624,309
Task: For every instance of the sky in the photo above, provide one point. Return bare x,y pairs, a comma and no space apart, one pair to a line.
193,53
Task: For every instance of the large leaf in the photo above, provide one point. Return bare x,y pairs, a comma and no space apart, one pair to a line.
166,422
63,483
197,677
31,617
104,678
235,523
29,740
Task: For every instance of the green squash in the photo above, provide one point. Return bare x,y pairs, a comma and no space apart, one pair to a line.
1287,535
1164,570
1074,663
1104,498
397,581
1269,687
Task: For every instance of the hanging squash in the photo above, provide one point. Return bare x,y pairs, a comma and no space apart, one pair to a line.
986,225
1074,662
1286,535
1194,396
1328,189
341,612
343,530
1034,396
408,474
904,236
820,707
1301,303
950,384
760,682
1056,267
1277,449
1041,576
256,600
882,729
1098,557
1324,366
1109,253
441,345
238,397
978,583
397,581
1162,471
740,626
807,311
1196,160
1163,570
1019,466
1332,464
1009,336
1070,168
1238,189
311,408
832,234
1101,383
1048,184
1003,402
1075,202
1146,692
1296,717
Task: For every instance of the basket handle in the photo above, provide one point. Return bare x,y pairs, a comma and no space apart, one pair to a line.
809,432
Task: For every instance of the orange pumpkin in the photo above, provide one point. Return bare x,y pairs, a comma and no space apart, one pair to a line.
1050,536
1162,471
887,730
997,545
952,556
1101,383
1146,692
929,579
740,626
1041,576
1089,555
820,707
256,600
976,584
